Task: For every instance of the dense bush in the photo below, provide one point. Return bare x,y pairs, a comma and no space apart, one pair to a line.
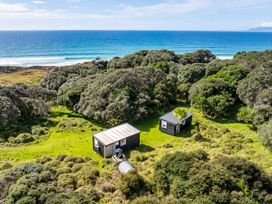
22,103
126,95
253,59
58,76
191,73
212,96
216,65
199,56
265,134
231,74
163,66
69,93
45,182
256,91
257,82
143,58
186,76
192,176
132,184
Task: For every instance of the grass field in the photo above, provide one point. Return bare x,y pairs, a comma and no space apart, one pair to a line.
71,135
28,77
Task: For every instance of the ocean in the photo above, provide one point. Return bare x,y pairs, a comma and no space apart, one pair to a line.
29,48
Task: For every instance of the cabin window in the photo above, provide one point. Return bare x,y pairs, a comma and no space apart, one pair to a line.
116,143
123,142
96,144
163,124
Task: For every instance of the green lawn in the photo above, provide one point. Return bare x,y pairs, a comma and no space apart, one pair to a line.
77,140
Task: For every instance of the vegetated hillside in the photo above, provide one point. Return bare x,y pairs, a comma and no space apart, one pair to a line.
220,159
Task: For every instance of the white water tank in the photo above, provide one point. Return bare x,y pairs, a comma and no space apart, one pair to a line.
124,167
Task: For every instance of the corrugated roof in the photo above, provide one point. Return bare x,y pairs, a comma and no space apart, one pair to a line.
170,117
116,134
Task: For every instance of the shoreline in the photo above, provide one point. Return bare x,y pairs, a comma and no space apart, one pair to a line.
64,61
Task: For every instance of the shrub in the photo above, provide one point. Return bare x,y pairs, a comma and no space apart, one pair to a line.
131,184
261,114
191,73
180,113
61,157
23,138
212,96
216,65
245,115
146,200
37,130
199,56
19,191
163,66
254,84
5,166
45,176
143,58
183,92
88,175
193,178
67,181
253,59
265,134
21,103
26,200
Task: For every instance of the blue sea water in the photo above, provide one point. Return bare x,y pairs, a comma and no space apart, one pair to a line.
27,48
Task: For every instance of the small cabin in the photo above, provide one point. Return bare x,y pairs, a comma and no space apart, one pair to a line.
172,125
122,137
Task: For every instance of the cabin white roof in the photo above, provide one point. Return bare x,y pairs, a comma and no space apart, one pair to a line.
116,134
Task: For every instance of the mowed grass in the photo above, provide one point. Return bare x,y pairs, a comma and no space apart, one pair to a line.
77,140
28,77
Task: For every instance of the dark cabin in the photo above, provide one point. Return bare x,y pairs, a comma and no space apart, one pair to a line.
120,137
170,124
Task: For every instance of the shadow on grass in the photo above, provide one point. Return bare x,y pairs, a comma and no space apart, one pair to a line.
145,148
231,116
186,132
147,124
26,127
63,113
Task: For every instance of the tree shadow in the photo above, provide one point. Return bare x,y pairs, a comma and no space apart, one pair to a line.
146,125
63,113
145,148
230,117
26,127
187,132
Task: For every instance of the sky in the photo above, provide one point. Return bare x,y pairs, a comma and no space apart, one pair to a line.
135,14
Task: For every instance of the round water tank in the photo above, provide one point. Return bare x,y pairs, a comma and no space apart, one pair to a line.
124,167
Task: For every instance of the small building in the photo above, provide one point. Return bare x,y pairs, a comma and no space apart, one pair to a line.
172,125
120,137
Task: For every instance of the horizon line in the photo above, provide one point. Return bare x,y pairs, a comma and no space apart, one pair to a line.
166,30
